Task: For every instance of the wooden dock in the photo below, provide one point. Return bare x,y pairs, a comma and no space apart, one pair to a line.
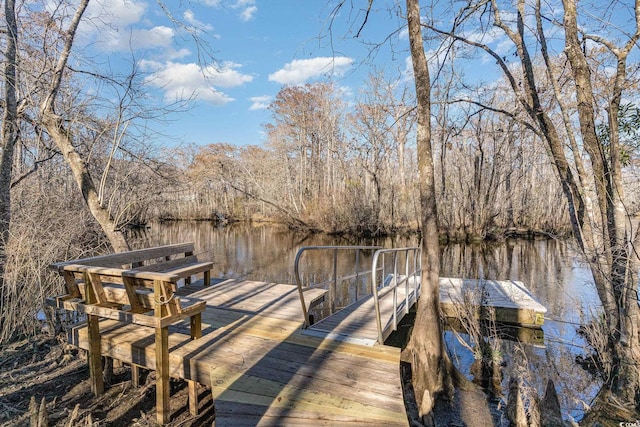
261,367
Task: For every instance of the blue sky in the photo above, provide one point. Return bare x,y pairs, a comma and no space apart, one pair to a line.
259,46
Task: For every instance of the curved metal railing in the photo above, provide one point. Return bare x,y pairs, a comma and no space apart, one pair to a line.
390,270
409,276
335,278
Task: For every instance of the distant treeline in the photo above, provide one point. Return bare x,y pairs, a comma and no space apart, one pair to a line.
353,170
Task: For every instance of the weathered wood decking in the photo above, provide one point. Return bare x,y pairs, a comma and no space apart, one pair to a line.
261,367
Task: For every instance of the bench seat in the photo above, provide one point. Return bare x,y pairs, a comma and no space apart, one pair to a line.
189,307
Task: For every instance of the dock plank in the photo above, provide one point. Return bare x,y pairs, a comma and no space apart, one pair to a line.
357,321
236,386
268,299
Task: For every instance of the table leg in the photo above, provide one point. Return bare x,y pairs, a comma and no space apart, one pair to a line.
95,356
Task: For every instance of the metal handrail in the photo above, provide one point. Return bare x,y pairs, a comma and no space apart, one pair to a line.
416,272
335,278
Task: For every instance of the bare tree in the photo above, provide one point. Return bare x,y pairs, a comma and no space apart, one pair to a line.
426,350
61,135
618,289
10,127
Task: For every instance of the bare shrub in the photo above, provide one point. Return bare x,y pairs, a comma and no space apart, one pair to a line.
599,362
478,321
44,229
523,383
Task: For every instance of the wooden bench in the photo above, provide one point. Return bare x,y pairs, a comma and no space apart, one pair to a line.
177,259
136,287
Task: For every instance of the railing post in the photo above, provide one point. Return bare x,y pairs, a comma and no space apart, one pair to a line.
406,283
374,291
383,269
395,290
334,283
296,271
357,271
418,268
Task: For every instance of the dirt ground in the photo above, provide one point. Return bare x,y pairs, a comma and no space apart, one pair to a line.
47,368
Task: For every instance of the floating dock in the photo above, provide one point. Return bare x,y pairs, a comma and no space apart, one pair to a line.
510,300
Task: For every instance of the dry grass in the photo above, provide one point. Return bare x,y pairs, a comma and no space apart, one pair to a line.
41,233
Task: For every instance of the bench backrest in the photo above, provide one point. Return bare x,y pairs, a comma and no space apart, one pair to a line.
133,259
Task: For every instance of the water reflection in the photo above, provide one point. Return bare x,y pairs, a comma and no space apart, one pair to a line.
553,273
550,269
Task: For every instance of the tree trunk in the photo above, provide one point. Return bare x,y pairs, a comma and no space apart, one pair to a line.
10,129
62,138
426,350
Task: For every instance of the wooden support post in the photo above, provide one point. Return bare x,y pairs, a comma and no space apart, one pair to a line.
195,326
163,409
207,278
95,353
135,375
193,397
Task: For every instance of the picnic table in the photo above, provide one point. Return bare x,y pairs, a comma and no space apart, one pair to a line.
136,287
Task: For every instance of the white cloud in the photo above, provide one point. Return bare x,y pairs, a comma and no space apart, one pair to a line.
227,75
300,71
248,13
180,81
121,25
122,12
260,102
142,39
104,18
212,3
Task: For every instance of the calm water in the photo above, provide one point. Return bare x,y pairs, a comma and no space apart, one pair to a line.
550,269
